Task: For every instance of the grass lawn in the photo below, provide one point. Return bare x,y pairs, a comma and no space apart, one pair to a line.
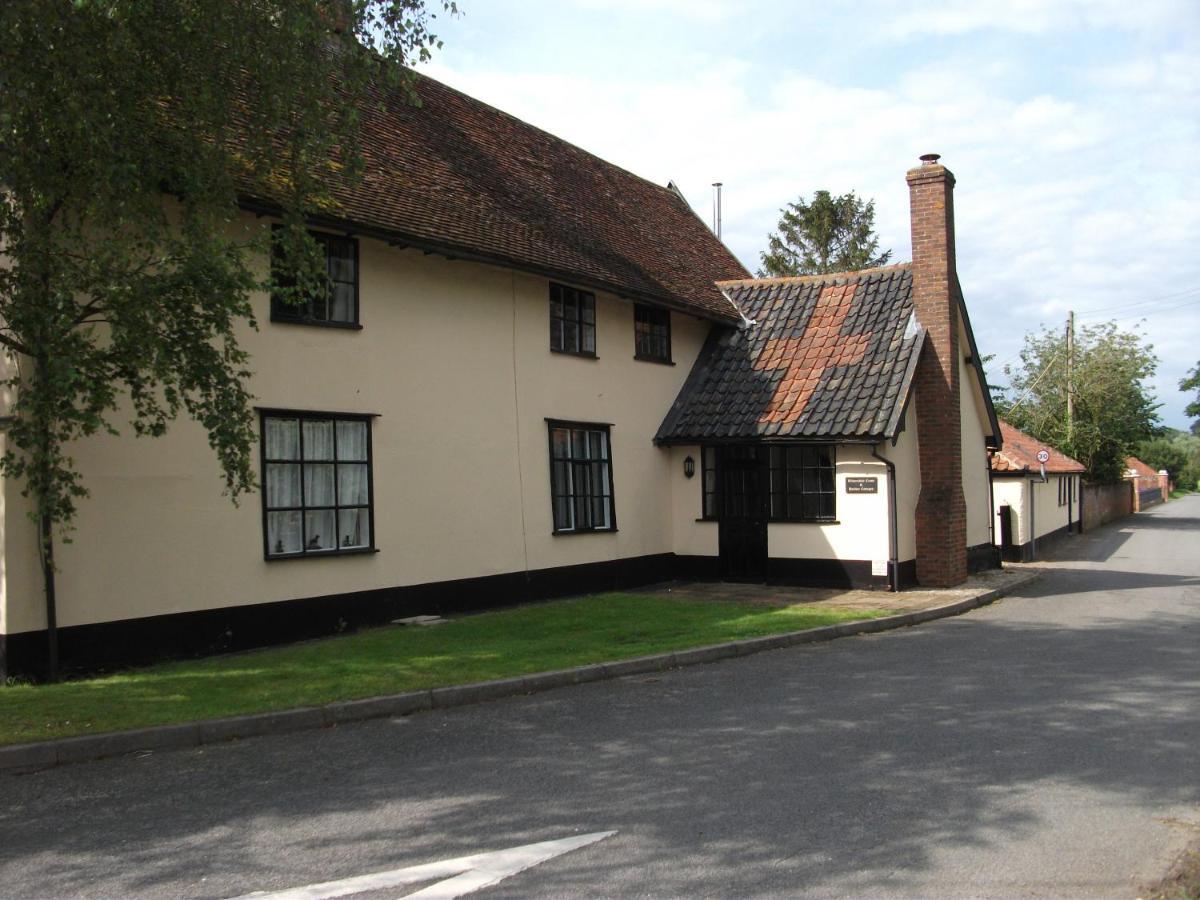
393,659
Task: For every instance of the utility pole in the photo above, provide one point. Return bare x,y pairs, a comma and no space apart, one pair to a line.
1070,375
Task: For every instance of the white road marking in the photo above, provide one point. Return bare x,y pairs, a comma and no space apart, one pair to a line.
462,875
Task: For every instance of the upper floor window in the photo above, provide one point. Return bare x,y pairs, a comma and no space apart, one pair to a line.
651,333
581,478
317,497
572,320
337,304
802,483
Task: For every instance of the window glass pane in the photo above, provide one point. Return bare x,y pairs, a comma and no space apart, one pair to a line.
562,478
812,481
710,481
570,305
352,441
795,483
583,514
570,336
600,512
354,528
341,303
283,484
596,439
556,304
812,506
589,338
562,514
795,457
283,533
560,442
318,485
318,439
319,530
341,261
352,484
827,506
778,508
710,506
282,438
587,309
578,445
827,480
556,334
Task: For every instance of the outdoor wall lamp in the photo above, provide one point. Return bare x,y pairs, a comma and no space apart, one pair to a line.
689,467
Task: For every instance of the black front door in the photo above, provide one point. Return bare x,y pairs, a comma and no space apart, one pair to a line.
744,502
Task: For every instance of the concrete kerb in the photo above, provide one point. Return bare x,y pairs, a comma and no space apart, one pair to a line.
47,754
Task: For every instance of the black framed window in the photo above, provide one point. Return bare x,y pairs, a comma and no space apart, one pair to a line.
803,487
572,320
708,482
317,486
337,305
1062,491
651,333
581,478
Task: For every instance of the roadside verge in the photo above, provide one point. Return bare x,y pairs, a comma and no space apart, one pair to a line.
46,754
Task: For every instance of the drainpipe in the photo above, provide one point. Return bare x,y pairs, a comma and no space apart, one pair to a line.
1032,521
893,538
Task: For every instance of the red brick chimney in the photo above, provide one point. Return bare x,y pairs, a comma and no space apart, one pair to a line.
941,509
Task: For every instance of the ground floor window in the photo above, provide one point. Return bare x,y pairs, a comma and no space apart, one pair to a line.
800,480
802,483
581,478
317,491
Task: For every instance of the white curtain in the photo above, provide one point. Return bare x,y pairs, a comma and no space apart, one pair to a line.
352,441
318,439
283,439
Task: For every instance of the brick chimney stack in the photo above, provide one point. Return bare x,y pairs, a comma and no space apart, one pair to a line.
941,509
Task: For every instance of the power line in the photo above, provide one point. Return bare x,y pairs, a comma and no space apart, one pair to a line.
1138,303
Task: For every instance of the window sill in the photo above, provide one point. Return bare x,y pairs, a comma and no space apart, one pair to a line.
579,355
804,522
584,531
654,359
708,519
321,554
316,323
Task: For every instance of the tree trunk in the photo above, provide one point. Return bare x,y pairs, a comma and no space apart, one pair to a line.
51,610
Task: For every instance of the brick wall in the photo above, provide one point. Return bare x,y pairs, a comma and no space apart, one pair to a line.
1106,502
941,508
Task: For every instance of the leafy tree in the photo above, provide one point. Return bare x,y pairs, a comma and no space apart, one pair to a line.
830,234
1114,407
1164,453
128,131
1192,383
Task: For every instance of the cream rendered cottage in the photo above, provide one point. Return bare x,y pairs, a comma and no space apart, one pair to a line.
534,374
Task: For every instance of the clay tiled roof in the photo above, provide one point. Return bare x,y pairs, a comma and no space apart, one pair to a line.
829,356
462,178
1140,468
1019,455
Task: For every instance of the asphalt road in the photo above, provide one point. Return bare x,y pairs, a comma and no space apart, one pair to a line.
1045,746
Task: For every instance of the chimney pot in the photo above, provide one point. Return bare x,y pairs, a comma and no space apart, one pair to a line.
930,159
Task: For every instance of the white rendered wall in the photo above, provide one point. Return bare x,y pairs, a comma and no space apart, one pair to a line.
454,358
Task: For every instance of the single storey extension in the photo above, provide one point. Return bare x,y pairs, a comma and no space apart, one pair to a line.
1037,494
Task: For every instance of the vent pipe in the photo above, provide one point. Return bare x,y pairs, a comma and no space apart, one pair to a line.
717,209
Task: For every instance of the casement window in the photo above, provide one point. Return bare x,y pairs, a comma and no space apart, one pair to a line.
337,305
1066,490
317,491
572,320
803,488
581,478
651,333
708,482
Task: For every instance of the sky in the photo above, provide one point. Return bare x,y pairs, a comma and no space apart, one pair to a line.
1072,128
